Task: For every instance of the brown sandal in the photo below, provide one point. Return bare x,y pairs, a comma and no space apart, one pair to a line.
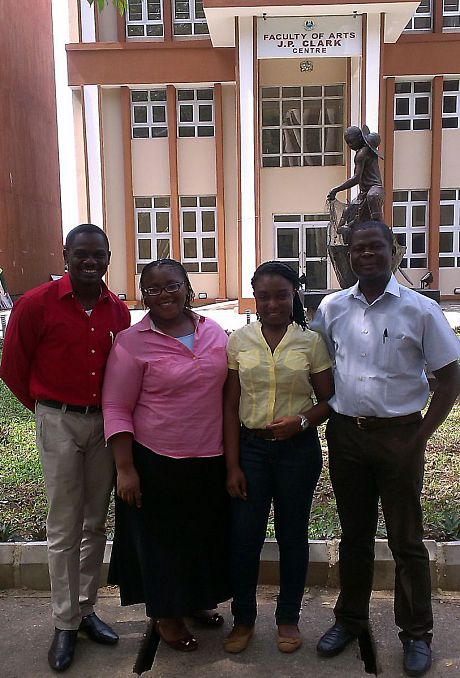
186,644
205,618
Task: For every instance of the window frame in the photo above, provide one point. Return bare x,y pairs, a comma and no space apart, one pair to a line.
451,228
145,22
412,117
196,124
153,236
149,104
199,234
453,15
451,93
421,13
193,21
408,230
306,159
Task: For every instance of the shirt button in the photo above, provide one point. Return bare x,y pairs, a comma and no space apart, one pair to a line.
93,374
92,329
363,355
94,395
93,351
365,331
360,378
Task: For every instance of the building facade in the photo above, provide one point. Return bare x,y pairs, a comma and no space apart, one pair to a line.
212,130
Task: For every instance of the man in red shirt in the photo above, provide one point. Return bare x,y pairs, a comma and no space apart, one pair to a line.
57,342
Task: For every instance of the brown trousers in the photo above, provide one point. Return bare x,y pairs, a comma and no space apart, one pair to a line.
366,465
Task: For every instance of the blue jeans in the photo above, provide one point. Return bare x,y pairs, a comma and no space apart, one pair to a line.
287,473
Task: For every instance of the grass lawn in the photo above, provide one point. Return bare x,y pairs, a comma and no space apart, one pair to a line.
23,500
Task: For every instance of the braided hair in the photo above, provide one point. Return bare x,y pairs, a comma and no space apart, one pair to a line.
285,271
178,266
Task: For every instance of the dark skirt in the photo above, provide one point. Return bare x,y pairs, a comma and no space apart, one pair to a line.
173,553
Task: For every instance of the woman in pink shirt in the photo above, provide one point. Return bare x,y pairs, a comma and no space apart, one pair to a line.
162,403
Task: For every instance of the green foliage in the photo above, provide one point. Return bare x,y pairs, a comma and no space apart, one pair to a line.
121,5
8,533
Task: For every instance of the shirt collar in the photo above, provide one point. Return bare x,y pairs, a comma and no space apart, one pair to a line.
65,287
147,323
391,288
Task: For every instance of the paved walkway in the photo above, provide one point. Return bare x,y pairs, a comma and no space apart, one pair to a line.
26,632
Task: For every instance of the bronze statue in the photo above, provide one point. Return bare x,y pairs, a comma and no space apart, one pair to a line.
369,203
368,206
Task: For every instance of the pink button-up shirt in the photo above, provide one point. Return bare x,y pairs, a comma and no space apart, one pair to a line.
167,396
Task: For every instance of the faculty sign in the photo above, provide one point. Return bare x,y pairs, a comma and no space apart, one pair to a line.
318,36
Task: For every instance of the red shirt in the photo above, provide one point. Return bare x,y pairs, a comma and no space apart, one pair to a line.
54,351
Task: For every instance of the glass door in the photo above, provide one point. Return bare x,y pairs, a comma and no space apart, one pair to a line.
301,241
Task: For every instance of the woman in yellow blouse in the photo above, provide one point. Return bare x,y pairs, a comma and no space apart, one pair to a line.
271,446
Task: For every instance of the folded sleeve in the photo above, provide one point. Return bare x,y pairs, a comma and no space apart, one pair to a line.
232,352
320,359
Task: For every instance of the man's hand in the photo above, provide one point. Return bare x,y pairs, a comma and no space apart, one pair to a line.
285,427
236,484
331,195
128,487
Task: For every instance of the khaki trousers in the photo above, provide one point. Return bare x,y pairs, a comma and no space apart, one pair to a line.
79,472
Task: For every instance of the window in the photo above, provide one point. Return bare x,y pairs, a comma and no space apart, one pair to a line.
195,112
451,104
410,218
198,220
148,113
302,126
421,21
153,229
189,18
451,14
449,228
144,19
413,105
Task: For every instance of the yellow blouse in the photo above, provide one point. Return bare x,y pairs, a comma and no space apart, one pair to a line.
275,384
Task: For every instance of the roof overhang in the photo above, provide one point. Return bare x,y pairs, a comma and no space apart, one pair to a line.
220,14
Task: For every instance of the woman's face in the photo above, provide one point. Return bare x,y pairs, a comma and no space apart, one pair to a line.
274,300
164,305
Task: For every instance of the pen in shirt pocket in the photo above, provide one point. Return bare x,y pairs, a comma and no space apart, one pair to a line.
112,337
385,335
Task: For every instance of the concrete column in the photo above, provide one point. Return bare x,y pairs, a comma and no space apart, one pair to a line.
93,154
355,103
247,153
65,118
372,83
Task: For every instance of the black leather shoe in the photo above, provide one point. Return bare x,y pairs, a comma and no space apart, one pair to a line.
97,630
60,654
417,657
334,641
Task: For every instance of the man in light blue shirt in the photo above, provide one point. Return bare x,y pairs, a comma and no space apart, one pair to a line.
382,335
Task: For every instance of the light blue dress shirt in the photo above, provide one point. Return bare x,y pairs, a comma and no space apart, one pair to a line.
381,349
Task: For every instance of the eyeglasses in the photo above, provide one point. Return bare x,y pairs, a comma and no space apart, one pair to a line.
156,291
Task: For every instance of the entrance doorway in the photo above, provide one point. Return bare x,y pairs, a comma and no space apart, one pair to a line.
301,241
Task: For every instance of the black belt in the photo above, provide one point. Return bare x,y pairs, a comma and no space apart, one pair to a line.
369,423
264,433
81,409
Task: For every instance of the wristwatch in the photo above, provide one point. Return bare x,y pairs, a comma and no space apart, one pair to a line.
304,423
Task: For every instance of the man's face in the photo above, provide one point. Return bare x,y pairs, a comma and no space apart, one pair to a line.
370,254
87,258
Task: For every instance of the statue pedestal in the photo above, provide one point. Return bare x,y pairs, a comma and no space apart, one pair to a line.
313,298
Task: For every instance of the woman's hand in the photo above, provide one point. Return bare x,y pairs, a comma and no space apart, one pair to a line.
236,483
128,487
285,427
